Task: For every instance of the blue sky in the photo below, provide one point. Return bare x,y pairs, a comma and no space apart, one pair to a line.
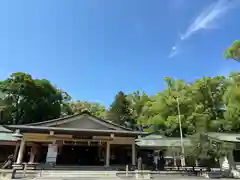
94,48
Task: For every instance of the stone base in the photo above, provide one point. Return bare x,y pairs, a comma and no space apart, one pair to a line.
18,166
107,168
31,166
143,176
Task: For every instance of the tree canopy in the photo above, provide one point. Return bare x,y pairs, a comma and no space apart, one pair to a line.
233,51
119,111
29,100
95,108
215,100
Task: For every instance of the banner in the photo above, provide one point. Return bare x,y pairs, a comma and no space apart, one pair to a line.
52,153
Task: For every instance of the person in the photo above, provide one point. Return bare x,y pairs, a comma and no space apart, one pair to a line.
139,163
156,158
161,162
8,163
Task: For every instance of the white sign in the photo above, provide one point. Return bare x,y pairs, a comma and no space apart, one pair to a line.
52,153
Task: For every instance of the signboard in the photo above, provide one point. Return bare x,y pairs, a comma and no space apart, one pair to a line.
52,153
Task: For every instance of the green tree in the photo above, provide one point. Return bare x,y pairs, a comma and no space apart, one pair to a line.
232,103
202,98
65,105
31,100
120,112
94,108
4,109
233,51
163,108
137,101
208,97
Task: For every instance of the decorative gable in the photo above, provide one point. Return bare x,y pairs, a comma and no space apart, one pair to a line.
81,121
86,122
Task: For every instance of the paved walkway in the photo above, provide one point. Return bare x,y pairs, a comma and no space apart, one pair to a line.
76,175
155,178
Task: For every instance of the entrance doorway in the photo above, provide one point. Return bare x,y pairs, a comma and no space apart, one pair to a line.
6,151
120,155
79,155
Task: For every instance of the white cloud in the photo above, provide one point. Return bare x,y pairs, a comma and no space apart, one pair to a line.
208,17
205,20
174,51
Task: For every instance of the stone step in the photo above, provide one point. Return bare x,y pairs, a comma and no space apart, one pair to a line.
78,172
97,168
75,174
76,178
78,175
103,174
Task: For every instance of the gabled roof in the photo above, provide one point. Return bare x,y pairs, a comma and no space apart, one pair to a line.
74,131
228,137
7,137
6,134
4,130
152,141
83,123
59,122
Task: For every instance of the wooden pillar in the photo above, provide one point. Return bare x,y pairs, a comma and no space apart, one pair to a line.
196,163
183,163
231,162
16,152
133,154
21,152
107,163
174,160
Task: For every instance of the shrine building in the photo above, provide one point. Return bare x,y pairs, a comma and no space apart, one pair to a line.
76,140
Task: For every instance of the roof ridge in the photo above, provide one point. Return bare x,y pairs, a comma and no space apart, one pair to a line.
71,129
52,120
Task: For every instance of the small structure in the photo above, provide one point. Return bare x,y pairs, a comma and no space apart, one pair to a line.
77,140
7,144
158,143
152,145
235,155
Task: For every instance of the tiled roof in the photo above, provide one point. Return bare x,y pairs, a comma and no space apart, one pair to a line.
7,137
230,137
6,134
160,141
5,130
28,128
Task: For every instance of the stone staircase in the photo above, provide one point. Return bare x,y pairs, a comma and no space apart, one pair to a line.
86,168
77,174
63,173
